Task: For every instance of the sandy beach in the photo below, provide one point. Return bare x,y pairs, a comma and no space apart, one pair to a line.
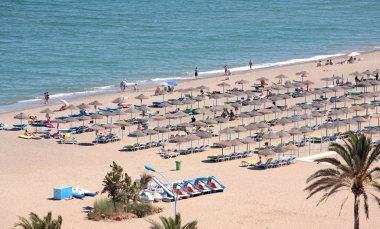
272,198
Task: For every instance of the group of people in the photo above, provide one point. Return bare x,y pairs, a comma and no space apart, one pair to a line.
231,115
328,62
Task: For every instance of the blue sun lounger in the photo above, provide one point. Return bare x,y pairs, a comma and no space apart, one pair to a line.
20,126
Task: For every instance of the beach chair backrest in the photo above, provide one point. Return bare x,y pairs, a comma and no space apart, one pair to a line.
269,160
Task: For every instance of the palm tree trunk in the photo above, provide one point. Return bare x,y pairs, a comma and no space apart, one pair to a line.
356,212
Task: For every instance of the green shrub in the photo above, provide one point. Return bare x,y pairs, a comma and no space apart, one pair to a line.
141,210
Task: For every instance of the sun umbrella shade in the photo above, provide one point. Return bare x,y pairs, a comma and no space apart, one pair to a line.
192,137
262,125
72,107
210,121
21,116
131,110
95,103
120,100
150,132
291,147
242,82
58,121
185,124
71,119
227,131
239,129
162,129
223,85
97,127
221,120
137,133
47,111
96,116
141,97
83,106
203,134
266,152
202,87
281,76
262,78
122,123
110,125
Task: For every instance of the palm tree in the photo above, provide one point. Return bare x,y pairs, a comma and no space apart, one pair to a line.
114,183
37,223
170,223
355,173
144,180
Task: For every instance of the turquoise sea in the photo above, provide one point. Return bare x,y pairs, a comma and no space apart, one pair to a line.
76,48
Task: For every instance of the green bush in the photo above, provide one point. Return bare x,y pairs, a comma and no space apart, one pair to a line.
141,210
104,206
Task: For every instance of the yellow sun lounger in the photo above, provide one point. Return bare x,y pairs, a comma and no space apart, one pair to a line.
23,136
249,163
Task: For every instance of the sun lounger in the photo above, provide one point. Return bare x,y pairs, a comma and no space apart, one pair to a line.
215,158
264,165
23,136
274,164
249,163
125,105
68,141
20,126
170,155
42,130
3,126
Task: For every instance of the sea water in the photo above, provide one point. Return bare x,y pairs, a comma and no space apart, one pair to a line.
79,48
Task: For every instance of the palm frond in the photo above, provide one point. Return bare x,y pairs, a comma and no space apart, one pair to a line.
191,225
365,204
323,173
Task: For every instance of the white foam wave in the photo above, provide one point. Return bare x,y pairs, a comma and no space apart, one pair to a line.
267,65
28,100
108,88
170,78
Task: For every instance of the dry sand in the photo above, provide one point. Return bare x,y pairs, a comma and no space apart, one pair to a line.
274,198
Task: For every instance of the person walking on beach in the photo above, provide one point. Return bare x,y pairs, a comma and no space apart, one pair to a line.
196,73
225,69
46,97
123,85
250,63
135,88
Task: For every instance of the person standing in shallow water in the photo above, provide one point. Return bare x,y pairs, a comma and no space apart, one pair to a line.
250,63
225,69
196,72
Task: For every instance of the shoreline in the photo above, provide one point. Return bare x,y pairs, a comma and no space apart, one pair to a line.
42,164
146,85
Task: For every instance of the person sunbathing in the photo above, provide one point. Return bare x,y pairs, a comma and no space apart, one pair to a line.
63,107
27,133
163,150
260,161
